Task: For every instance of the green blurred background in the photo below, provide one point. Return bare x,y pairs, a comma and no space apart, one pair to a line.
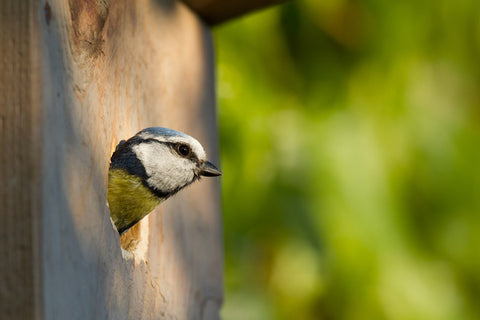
350,138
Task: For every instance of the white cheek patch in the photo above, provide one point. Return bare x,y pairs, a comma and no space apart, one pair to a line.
165,169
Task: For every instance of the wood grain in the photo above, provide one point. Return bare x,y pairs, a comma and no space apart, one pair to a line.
20,272
100,71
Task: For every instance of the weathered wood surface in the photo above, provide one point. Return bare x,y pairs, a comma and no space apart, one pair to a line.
218,11
76,77
20,192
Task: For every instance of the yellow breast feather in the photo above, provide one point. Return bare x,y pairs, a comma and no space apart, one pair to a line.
129,200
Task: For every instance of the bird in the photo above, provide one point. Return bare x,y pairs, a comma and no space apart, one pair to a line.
149,168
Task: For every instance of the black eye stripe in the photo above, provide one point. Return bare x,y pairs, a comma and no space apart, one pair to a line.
174,145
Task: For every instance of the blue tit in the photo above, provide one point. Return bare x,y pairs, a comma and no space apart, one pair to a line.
150,167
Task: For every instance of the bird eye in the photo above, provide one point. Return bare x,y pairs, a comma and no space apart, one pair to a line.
183,150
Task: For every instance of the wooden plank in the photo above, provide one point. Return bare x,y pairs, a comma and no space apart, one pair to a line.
108,69
20,275
217,11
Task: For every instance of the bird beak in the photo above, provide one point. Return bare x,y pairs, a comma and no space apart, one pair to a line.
207,169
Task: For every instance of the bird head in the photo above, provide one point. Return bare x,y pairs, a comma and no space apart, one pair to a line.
166,160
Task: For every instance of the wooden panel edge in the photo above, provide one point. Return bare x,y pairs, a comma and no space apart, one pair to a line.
20,162
215,12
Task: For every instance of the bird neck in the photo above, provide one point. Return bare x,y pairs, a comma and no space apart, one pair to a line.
128,198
